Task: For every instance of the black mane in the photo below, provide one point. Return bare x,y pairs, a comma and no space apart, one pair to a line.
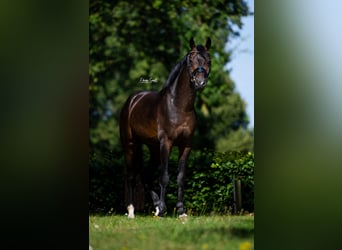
175,72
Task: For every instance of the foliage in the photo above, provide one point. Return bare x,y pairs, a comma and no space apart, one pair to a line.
209,182
106,184
146,232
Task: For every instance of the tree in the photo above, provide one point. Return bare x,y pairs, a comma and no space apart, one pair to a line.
143,39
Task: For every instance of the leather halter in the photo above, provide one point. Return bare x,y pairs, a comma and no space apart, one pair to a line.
199,69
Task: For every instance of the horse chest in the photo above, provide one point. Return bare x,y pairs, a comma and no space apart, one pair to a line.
176,128
184,130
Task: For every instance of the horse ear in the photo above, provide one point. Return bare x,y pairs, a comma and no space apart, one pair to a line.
192,43
208,44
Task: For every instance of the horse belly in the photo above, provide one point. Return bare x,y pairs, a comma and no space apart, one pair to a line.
144,127
146,133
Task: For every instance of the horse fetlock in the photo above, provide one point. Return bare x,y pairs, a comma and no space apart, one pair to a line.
160,209
179,204
180,207
156,213
130,209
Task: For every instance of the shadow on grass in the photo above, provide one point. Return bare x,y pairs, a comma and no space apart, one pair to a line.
242,232
217,233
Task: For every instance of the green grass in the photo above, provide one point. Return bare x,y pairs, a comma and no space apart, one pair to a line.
117,232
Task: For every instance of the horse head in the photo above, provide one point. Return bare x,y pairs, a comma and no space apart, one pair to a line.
198,62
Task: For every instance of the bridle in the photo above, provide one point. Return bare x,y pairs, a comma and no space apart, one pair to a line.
199,69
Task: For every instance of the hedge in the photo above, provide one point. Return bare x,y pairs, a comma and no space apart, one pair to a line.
208,188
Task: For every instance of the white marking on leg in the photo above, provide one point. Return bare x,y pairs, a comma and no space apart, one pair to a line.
130,209
157,211
183,218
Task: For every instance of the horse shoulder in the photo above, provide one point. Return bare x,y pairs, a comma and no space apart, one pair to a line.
188,125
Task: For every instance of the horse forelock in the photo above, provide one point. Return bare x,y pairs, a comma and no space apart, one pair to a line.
200,48
202,51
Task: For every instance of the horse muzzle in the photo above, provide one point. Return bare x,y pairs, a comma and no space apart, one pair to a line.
200,84
199,78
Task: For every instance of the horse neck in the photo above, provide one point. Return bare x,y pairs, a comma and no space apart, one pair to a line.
181,94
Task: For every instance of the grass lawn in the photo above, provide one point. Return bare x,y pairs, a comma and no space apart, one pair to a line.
117,232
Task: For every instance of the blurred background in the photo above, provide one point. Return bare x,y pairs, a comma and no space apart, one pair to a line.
45,141
241,65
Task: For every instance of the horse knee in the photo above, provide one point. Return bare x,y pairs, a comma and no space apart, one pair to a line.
180,178
165,180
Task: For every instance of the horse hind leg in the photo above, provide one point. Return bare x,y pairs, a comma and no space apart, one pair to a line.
129,182
131,155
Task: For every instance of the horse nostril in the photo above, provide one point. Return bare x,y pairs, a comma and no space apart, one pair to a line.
200,84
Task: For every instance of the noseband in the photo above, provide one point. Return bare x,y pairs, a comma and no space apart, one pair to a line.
199,69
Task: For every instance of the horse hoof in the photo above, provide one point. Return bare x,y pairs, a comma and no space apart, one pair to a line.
183,218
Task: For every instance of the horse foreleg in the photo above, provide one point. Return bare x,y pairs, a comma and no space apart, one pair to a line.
149,175
183,157
165,147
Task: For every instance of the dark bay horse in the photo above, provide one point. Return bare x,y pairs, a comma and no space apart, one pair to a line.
162,120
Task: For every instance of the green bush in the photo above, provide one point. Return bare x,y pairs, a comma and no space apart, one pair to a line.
208,183
106,181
